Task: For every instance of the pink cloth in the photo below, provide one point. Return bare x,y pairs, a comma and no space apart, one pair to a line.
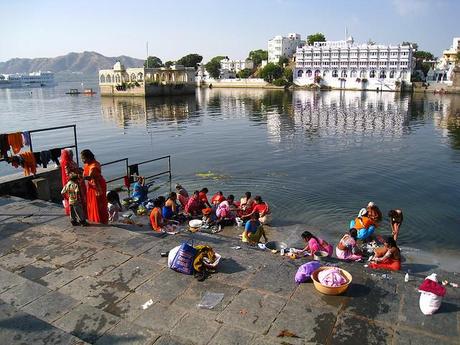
314,246
331,277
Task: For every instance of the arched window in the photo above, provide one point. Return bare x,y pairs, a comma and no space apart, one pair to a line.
372,74
140,76
133,77
403,74
109,78
308,73
344,73
317,73
299,73
335,73
392,73
353,73
102,79
117,78
325,73
362,74
382,74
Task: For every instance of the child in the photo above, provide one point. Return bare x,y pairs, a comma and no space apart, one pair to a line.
113,206
72,189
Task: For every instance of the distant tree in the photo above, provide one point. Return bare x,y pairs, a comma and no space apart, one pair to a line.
190,60
423,55
153,62
287,74
257,56
318,37
270,72
414,45
244,73
213,66
283,60
169,63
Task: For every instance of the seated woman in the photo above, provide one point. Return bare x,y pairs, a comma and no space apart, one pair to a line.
253,230
226,212
169,210
387,258
347,249
182,195
263,209
315,244
193,207
363,224
156,219
246,204
217,199
140,190
396,219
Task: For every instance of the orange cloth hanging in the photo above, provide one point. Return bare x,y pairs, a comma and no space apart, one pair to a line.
15,141
30,165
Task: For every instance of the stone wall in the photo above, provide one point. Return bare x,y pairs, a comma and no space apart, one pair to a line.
45,185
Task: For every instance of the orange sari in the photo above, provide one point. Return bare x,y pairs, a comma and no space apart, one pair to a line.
96,193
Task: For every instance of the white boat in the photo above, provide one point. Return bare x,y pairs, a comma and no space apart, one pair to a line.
34,79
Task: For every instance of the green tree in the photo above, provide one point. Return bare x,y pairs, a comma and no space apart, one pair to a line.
244,73
271,71
318,37
423,55
190,60
153,62
169,63
287,74
257,56
213,66
283,60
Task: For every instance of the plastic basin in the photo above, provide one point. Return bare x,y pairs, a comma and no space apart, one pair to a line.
275,245
328,290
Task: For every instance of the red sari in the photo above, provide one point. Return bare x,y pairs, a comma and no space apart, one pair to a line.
96,193
69,166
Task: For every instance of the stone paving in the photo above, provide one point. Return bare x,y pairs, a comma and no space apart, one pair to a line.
72,285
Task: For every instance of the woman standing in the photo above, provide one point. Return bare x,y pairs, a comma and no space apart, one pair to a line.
69,166
396,219
96,189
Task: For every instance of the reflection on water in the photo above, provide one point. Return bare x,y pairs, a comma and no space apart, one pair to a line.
316,157
126,111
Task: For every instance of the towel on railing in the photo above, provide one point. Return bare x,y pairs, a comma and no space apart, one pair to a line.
15,141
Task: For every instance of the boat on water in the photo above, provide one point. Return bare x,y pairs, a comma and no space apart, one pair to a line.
88,92
34,79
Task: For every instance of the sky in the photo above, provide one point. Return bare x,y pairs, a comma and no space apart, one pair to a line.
50,28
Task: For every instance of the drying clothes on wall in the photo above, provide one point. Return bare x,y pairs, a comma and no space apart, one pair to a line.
55,155
38,159
45,157
26,138
4,145
15,141
30,166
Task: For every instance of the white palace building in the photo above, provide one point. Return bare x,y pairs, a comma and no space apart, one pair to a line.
346,65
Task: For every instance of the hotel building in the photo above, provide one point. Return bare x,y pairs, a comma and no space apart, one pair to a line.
346,65
280,46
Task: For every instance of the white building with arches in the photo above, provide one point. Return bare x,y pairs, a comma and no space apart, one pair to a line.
346,65
141,81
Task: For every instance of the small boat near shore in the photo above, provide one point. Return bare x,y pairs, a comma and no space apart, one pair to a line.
89,92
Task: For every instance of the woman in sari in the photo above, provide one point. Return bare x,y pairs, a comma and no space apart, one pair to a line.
96,189
69,166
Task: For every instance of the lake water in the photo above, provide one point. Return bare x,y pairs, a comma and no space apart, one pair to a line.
317,158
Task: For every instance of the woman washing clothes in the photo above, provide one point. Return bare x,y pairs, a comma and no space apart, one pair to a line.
96,189
170,209
388,257
226,212
246,204
314,244
347,249
253,230
262,208
364,225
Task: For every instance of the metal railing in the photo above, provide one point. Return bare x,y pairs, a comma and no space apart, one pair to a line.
135,167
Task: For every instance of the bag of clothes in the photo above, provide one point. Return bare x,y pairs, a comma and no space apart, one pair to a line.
304,272
184,258
431,295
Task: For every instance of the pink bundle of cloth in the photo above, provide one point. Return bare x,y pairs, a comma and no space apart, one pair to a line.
331,277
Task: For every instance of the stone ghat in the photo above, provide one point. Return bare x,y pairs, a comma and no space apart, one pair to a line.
72,285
